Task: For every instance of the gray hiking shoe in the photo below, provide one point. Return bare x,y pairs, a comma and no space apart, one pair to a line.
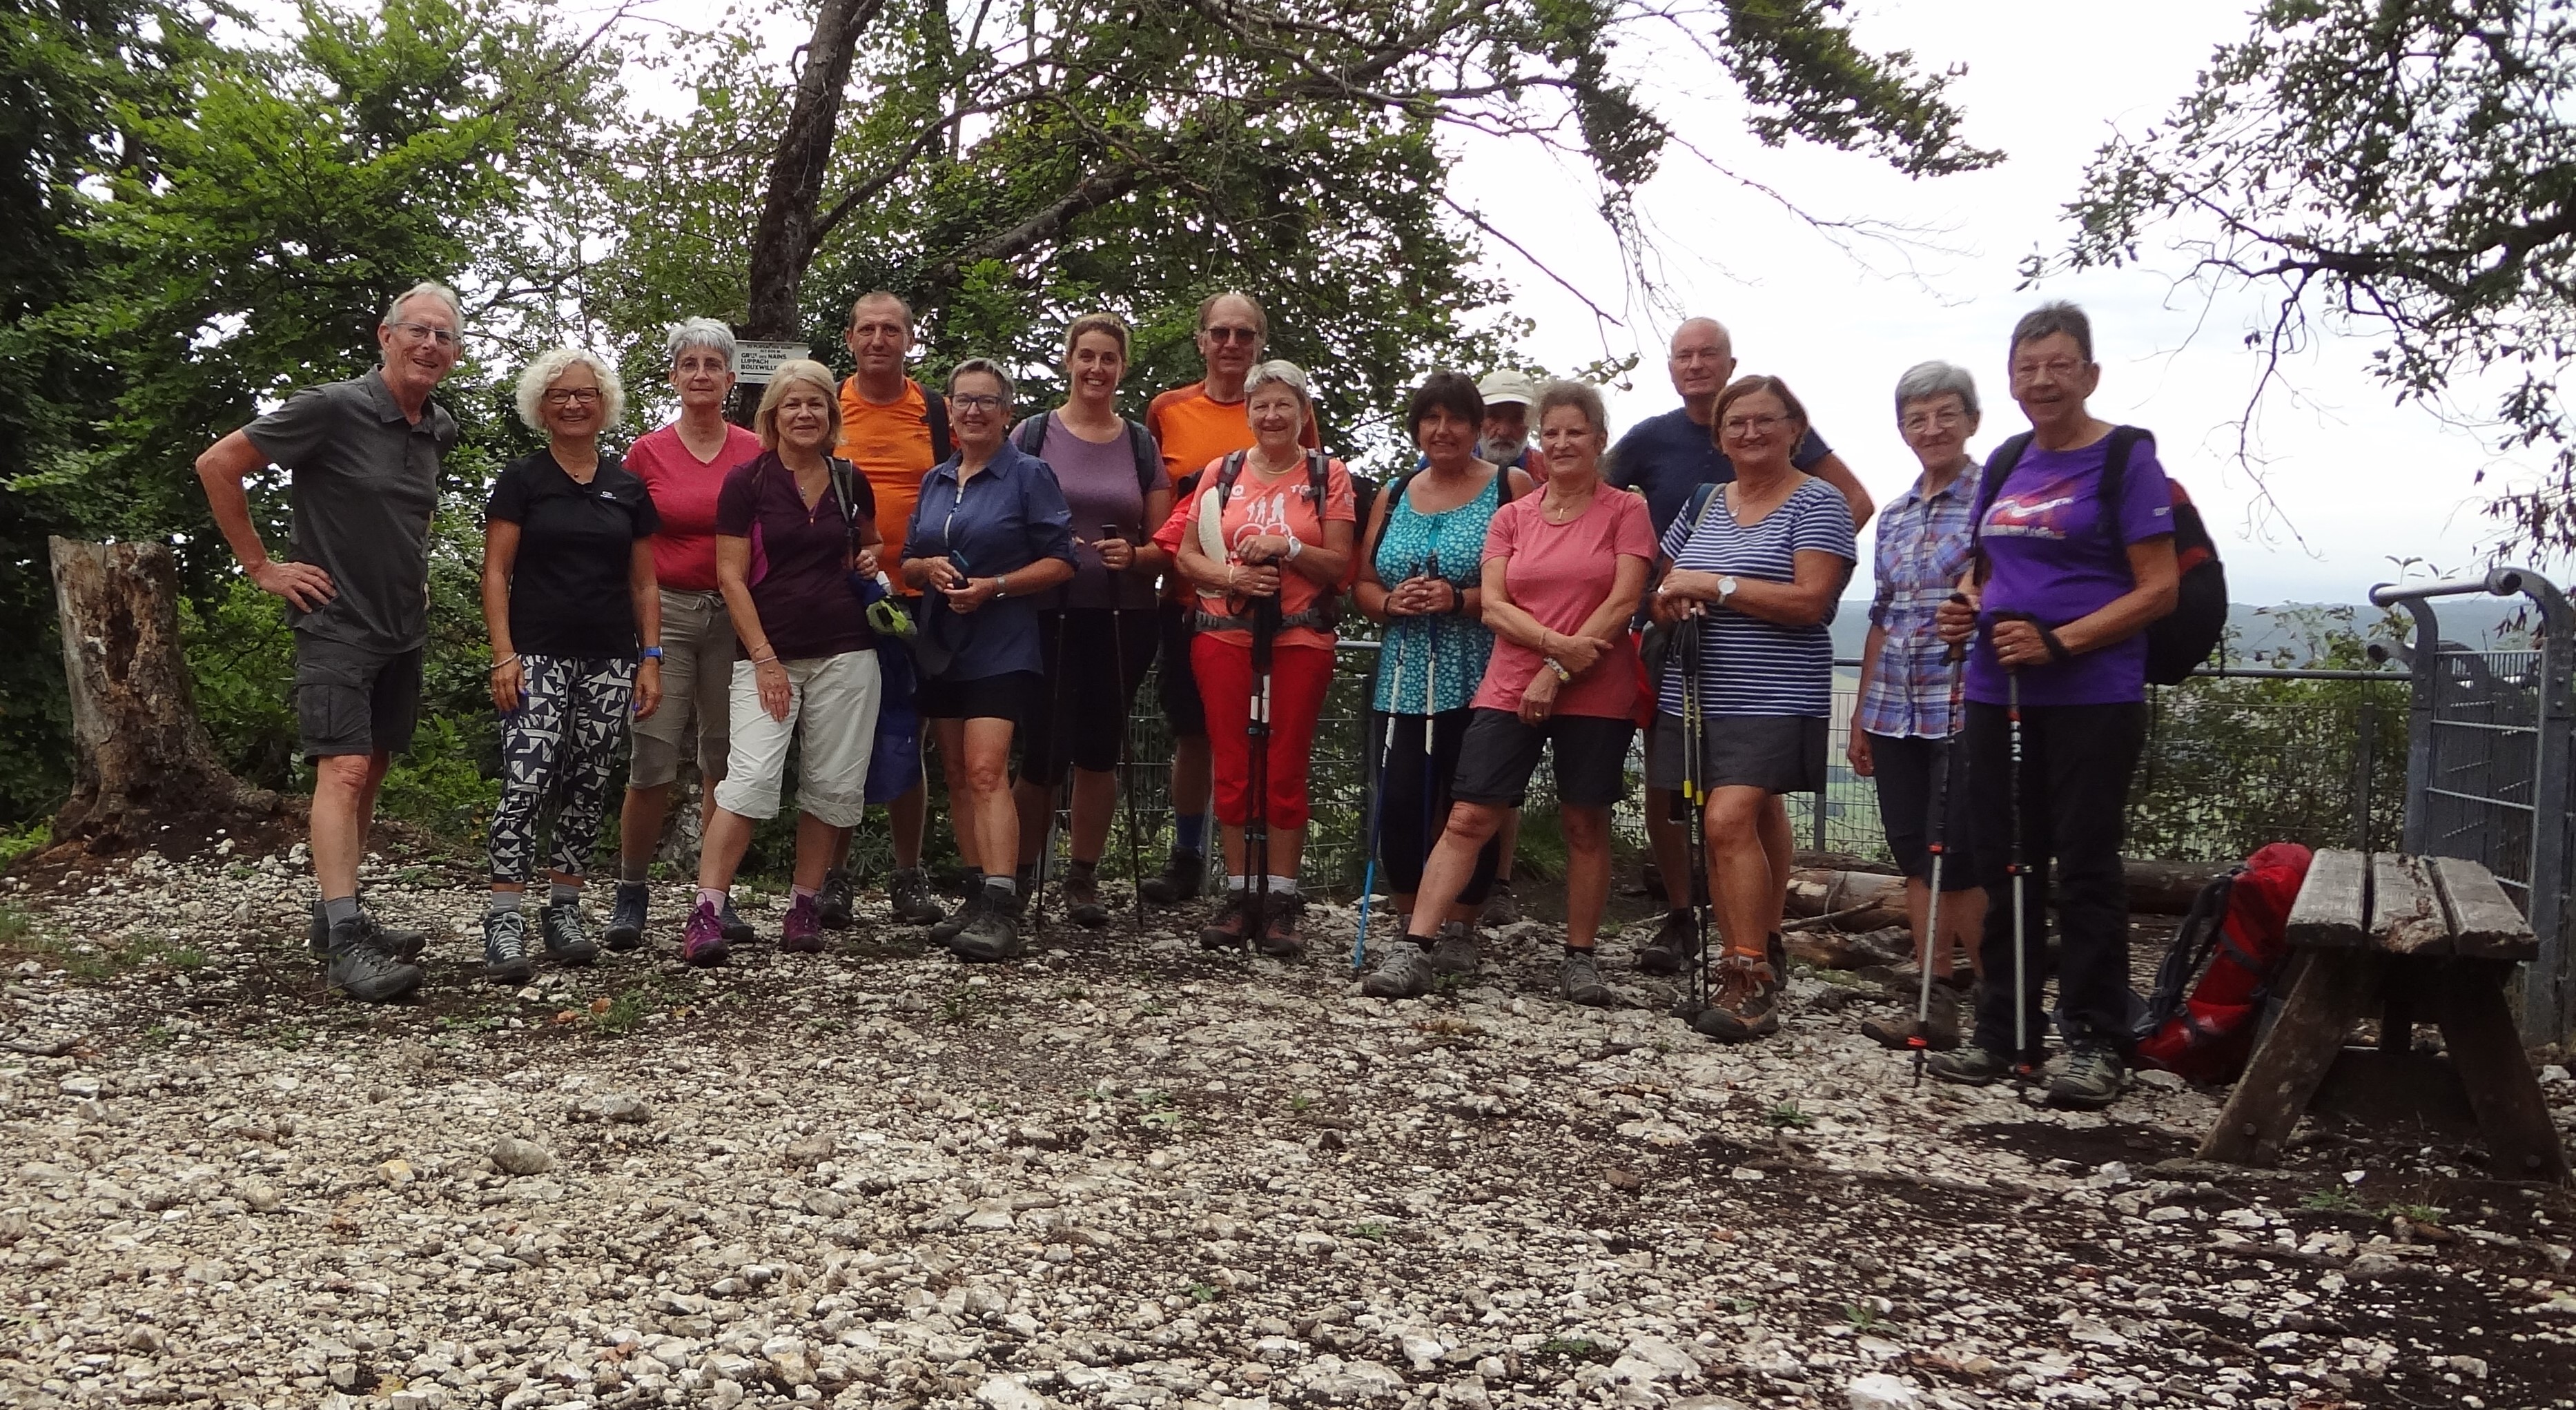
832,902
945,930
1405,973
1501,907
908,897
1183,877
1676,943
567,934
1455,951
626,916
1970,1066
1579,980
991,933
2090,1079
361,967
404,945
737,931
505,947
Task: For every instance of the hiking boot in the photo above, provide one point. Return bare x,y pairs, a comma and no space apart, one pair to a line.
803,932
1404,973
567,934
1082,896
1579,980
1970,1066
908,898
362,967
1777,952
1501,907
1279,938
832,903
703,942
505,947
1743,1001
736,930
404,945
991,933
1676,943
1455,951
945,930
1231,926
1940,1036
626,916
1183,877
2090,1080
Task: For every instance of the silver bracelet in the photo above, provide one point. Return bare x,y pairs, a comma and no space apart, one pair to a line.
506,660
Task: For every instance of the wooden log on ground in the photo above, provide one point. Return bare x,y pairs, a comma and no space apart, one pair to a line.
2405,915
144,771
2333,909
2155,888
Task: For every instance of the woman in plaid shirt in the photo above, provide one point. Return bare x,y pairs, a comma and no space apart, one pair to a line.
1906,703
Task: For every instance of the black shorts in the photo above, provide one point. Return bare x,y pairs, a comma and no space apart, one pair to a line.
1775,753
1008,696
1175,683
1086,691
1591,752
350,700
1902,769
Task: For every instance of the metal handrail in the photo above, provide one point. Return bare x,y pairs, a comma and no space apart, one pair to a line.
2267,673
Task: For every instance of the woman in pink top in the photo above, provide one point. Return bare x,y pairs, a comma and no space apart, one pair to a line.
683,465
1563,676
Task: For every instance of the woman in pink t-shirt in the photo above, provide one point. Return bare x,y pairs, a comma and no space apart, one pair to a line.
1284,537
1564,569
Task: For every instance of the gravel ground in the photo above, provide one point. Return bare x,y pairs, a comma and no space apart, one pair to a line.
1125,1173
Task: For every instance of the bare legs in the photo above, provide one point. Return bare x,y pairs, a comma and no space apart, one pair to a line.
344,812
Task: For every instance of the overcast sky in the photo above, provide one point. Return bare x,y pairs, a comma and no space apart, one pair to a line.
2359,482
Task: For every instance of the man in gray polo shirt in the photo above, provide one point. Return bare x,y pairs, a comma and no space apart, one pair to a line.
363,457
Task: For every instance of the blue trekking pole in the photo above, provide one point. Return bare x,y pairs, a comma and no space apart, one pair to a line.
1379,749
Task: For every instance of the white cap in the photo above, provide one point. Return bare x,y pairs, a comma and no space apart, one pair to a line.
1508,386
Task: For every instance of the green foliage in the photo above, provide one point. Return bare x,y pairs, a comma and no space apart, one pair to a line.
2406,170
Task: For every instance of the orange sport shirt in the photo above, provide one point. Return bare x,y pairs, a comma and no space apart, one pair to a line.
890,443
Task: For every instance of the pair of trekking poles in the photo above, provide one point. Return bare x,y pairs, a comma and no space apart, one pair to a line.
1383,752
1058,723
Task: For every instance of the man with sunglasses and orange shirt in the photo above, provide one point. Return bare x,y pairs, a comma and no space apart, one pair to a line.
1194,425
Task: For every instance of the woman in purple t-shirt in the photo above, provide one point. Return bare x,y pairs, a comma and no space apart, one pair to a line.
2061,589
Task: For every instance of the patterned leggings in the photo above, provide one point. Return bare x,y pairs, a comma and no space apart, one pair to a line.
561,740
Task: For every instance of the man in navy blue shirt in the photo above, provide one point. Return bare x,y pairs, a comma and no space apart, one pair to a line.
1664,458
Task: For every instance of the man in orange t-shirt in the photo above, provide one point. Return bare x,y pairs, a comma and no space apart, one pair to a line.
894,430
1194,425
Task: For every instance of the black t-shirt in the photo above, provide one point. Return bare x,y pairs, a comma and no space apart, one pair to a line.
568,593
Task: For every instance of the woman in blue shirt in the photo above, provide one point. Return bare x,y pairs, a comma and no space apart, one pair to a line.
991,531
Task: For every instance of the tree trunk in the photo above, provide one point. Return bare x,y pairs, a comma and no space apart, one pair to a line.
144,772
783,243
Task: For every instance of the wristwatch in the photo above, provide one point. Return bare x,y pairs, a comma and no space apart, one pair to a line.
1725,589
1562,674
1001,586
651,653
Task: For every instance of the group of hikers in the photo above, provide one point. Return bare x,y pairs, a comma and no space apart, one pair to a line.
873,565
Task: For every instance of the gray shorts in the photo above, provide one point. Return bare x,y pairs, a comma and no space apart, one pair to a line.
1775,753
697,682
350,700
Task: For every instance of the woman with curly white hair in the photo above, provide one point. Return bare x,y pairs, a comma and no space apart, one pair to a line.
575,618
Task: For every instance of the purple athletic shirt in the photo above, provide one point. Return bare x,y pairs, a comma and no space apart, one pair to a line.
2051,559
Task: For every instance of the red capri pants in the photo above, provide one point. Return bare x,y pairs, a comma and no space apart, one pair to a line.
1299,676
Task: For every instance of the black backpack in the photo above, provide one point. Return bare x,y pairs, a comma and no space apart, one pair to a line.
2181,640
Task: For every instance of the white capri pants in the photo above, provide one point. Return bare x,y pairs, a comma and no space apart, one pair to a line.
831,714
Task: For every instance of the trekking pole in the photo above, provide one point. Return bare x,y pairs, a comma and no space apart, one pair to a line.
1057,730
1920,1040
1126,705
1430,763
2018,865
1379,749
1256,832
1695,797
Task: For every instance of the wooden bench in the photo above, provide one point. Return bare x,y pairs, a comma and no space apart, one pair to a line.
2416,938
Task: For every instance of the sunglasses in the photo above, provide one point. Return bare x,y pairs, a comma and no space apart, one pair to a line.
1231,335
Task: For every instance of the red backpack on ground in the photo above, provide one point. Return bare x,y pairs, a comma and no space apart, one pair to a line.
2239,929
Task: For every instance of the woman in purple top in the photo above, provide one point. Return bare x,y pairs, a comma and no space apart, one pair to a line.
791,527
2063,585
1096,633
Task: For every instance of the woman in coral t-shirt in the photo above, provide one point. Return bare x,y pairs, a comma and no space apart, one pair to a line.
1564,569
1275,538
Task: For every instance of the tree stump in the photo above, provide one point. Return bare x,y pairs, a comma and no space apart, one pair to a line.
144,771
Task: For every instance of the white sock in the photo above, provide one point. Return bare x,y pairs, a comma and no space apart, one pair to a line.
1237,883
1283,886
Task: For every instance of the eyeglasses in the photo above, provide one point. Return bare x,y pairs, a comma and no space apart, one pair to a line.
423,333
1747,425
976,401
1220,334
573,396
1943,420
2058,369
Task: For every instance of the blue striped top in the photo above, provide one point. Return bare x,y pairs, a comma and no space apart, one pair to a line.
1749,666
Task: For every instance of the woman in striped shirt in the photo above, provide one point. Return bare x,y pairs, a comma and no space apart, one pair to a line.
1755,568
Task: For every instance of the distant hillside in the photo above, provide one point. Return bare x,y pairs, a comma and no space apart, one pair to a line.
2263,633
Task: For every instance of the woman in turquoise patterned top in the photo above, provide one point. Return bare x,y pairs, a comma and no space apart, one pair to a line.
1423,558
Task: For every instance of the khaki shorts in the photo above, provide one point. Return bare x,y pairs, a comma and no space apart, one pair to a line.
697,682
831,715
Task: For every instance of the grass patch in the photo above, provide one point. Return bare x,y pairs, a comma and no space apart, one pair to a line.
1373,1232
1576,1349
90,961
2336,1198
25,841
1787,1117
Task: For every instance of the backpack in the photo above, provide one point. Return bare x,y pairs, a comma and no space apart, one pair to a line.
1030,437
2235,942
1326,614
2182,639
934,415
